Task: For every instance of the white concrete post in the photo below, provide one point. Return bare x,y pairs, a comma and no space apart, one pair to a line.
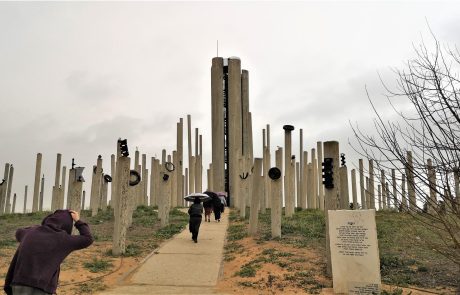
122,210
383,188
288,189
403,193
432,202
62,188
319,148
10,186
257,186
343,193
3,188
13,208
113,165
164,205
411,182
42,189
379,196
24,210
371,185
38,169
395,192
145,181
353,189
277,197
314,171
180,162
83,200
361,185
96,187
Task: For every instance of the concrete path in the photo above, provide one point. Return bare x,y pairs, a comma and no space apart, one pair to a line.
180,266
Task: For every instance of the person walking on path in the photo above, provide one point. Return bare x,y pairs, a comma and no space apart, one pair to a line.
195,211
35,267
207,209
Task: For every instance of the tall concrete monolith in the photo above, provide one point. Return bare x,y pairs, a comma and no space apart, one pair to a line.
310,186
371,188
343,191
288,189
217,118
404,204
62,188
314,171
361,185
96,187
383,187
180,162
113,165
4,188
173,180
13,207
410,182
57,177
367,193
75,191
191,158
104,194
432,202
263,201
186,182
24,210
83,197
387,194
276,186
257,185
353,189
242,185
38,169
395,191
319,148
331,150
10,186
42,192
304,188
164,204
145,182
122,210
298,183
267,165
300,171
379,196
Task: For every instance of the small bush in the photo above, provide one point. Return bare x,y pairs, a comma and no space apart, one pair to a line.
98,265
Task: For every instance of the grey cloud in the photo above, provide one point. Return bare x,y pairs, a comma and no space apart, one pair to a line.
83,85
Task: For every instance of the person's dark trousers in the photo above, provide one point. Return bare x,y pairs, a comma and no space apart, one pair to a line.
217,213
194,226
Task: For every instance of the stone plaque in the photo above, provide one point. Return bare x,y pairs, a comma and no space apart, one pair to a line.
354,251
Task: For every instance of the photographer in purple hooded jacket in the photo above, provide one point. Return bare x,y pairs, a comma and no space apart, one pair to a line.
35,267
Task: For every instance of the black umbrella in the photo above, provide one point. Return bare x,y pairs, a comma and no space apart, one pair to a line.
203,197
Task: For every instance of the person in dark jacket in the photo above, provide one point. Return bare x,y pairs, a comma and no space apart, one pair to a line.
195,211
35,267
217,207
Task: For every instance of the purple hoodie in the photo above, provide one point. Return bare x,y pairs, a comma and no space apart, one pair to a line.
42,249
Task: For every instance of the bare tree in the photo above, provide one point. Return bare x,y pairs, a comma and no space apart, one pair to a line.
424,143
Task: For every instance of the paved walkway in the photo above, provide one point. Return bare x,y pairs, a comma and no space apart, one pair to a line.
180,266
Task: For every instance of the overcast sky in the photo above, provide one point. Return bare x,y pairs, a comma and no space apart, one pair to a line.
74,77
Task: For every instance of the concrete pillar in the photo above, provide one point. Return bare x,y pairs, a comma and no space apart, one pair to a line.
10,186
267,165
186,182
276,186
137,190
113,165
217,118
383,187
96,187
353,189
331,150
154,176
300,170
13,207
38,169
164,205
199,167
3,188
173,180
368,194
75,191
319,148
196,165
395,192
304,188
242,185
83,200
257,185
403,193
344,195
123,208
57,177
104,192
24,210
42,189
361,185
191,165
314,171
288,189
310,191
62,188
432,202
209,178
298,183
410,182
145,181
379,196
371,185
387,192
235,125
180,161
